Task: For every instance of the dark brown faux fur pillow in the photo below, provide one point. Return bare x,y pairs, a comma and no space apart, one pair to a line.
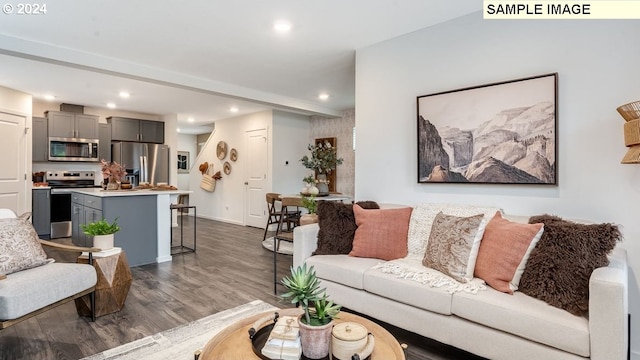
337,226
559,267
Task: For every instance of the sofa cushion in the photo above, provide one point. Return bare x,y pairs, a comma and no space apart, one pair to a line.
422,219
337,226
19,246
453,245
381,233
504,247
342,269
29,290
560,266
406,291
527,317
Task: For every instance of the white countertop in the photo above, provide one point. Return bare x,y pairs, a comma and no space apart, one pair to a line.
109,193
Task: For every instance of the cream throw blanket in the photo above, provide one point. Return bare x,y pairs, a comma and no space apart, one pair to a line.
420,224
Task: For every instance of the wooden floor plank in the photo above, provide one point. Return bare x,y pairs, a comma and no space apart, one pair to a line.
230,268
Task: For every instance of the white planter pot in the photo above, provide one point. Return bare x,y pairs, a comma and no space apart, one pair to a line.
103,242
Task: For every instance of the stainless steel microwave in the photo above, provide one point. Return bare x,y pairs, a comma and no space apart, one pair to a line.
72,149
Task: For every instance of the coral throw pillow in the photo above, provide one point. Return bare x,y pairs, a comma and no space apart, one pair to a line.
502,249
381,233
560,266
337,226
451,245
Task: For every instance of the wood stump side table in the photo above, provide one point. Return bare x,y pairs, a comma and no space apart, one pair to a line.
112,288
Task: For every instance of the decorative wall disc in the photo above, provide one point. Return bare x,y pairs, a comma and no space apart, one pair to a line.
233,155
221,150
227,167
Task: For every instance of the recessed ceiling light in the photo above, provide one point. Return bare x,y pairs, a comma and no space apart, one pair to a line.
111,105
233,109
49,97
124,94
190,119
178,129
282,26
323,96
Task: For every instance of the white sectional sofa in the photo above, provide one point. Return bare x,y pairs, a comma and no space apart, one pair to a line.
489,323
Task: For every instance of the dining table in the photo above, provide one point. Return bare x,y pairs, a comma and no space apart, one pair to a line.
330,197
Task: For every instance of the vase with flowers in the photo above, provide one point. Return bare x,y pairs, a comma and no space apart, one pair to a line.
323,160
112,174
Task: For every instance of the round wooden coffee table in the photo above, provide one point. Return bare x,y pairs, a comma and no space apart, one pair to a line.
233,342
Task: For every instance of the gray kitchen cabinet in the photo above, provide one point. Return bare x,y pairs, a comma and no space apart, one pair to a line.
93,202
72,125
124,129
40,143
90,215
77,218
84,209
104,147
41,212
127,129
138,235
152,131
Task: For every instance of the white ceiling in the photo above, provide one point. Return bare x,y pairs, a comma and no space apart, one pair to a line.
199,58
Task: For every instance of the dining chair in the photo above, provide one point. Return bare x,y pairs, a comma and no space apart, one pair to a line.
289,214
274,213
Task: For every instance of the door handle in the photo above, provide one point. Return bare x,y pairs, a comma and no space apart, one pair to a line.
246,183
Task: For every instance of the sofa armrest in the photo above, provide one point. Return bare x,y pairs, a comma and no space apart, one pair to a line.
609,308
68,247
305,242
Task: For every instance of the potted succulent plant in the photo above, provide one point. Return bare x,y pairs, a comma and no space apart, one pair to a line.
317,321
102,232
311,204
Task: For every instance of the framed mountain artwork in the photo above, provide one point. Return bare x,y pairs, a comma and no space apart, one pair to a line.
501,133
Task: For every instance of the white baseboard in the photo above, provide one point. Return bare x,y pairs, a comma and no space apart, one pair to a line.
221,220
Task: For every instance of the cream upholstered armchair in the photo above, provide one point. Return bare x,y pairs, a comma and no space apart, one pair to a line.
30,283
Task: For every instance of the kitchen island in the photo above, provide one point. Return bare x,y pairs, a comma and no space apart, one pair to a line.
144,218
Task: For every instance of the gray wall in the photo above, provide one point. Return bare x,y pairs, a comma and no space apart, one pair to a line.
597,63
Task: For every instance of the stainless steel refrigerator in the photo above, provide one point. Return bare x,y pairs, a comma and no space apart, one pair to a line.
144,162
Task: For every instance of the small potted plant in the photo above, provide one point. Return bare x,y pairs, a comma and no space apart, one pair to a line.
102,232
311,204
303,288
310,185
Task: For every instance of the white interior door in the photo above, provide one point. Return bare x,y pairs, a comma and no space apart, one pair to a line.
257,166
12,167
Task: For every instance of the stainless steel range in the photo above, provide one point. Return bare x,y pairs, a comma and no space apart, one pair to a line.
62,184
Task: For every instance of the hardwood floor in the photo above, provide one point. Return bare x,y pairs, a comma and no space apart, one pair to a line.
230,268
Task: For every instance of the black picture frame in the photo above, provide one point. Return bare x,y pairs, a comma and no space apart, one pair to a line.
499,133
183,162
